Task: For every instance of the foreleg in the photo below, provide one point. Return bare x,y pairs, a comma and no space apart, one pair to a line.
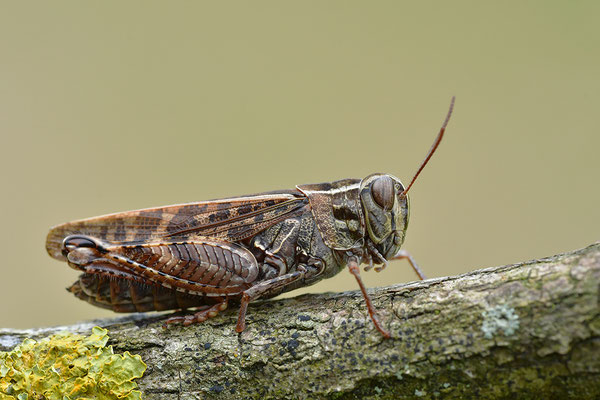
405,254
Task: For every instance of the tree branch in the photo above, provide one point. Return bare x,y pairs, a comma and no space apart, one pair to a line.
530,330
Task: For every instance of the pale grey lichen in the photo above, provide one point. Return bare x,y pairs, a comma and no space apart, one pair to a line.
9,341
501,317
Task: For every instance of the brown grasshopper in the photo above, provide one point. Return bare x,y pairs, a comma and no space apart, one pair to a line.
209,253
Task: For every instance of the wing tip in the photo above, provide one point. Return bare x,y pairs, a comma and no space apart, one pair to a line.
54,241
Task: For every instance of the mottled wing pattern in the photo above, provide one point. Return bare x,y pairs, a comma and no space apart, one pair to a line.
229,220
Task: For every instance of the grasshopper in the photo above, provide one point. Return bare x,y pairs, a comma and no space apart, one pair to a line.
210,253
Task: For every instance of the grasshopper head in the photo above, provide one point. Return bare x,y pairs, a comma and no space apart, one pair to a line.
385,206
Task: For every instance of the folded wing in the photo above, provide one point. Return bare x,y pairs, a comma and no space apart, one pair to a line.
227,219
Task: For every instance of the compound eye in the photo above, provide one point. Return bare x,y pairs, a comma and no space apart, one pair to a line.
76,241
382,191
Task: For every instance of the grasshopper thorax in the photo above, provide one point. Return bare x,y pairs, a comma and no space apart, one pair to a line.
385,210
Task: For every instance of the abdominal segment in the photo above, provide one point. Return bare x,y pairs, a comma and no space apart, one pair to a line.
126,295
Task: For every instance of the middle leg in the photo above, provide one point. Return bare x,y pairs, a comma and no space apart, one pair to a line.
256,291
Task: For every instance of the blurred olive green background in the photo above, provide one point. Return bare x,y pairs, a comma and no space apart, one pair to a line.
112,106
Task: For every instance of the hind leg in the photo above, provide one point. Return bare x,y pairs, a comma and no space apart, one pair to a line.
201,315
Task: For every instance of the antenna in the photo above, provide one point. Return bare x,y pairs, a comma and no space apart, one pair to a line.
432,149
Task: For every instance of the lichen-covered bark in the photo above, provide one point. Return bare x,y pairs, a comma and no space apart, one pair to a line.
529,330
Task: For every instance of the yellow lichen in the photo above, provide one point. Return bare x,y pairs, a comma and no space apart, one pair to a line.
69,366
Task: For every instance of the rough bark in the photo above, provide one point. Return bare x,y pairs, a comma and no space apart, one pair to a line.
529,330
